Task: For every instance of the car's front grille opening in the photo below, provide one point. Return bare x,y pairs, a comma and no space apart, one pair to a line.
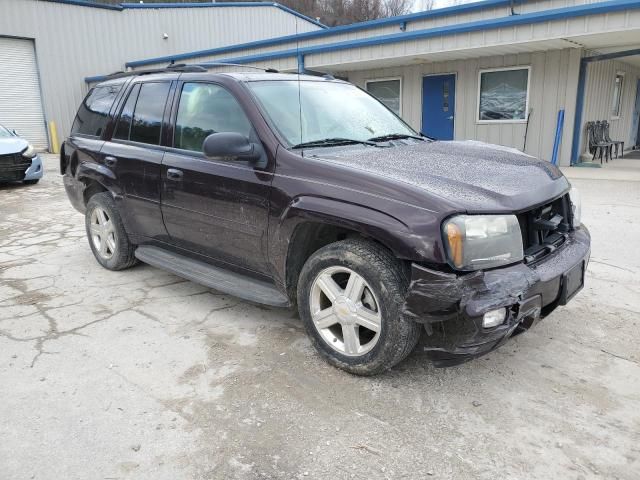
13,167
545,228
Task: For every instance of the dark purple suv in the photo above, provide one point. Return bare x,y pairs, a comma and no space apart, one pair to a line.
302,190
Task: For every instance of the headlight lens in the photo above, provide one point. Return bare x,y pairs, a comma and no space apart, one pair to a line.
30,152
576,206
482,241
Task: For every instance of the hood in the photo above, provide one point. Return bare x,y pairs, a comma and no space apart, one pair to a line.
12,145
470,175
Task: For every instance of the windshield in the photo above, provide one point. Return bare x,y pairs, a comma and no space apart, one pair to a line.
4,133
323,110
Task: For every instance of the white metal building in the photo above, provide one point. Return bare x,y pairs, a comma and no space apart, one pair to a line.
48,47
480,70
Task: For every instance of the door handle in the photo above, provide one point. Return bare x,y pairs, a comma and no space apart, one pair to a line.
110,161
450,118
174,174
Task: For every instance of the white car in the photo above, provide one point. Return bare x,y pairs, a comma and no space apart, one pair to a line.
19,161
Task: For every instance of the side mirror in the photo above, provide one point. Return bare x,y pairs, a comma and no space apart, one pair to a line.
233,146
14,132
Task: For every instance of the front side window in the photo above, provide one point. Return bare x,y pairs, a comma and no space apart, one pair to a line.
310,111
146,123
204,109
388,91
617,95
93,114
503,95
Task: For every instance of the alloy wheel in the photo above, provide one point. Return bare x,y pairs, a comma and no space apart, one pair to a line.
103,233
345,311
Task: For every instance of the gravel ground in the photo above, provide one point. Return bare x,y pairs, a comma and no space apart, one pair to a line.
142,375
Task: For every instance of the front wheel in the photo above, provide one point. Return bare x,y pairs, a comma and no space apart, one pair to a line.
107,237
350,296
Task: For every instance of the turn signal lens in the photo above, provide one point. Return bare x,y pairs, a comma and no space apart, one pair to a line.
454,235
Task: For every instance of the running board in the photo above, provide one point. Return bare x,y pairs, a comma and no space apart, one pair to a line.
210,276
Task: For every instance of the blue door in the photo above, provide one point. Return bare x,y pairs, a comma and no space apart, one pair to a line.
438,106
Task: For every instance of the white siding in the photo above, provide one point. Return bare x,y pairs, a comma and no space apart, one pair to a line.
599,99
73,42
552,87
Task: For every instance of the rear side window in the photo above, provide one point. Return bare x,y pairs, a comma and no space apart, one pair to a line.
204,109
147,116
124,122
93,114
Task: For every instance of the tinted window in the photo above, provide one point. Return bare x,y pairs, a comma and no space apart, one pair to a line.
205,109
147,117
124,122
94,112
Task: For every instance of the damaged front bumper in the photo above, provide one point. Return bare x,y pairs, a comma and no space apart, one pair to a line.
452,307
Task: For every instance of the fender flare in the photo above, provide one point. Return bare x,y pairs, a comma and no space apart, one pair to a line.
94,172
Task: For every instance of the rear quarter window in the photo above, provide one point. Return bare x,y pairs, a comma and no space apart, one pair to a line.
93,113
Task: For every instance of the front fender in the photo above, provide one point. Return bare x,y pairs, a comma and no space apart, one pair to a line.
391,232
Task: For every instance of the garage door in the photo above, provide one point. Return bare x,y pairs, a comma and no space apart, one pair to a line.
20,102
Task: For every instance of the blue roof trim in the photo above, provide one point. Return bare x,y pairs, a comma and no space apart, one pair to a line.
440,12
523,19
87,3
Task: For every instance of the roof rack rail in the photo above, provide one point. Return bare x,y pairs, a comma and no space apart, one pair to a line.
226,64
173,67
183,67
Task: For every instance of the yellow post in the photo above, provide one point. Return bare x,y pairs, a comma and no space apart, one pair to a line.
53,136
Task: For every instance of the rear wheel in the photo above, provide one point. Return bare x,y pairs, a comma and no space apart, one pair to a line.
350,296
108,239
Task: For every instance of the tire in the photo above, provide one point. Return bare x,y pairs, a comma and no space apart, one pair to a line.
374,302
31,182
116,252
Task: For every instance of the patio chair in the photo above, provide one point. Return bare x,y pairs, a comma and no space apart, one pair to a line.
597,145
616,143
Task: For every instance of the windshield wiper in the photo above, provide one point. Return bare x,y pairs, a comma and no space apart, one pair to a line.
328,142
393,136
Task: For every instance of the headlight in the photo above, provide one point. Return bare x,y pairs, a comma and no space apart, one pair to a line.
30,152
576,206
482,241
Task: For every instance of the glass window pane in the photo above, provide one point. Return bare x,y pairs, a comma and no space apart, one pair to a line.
313,110
205,109
503,95
124,122
93,114
147,118
388,92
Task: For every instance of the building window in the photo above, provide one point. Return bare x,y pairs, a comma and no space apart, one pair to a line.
388,91
503,95
617,95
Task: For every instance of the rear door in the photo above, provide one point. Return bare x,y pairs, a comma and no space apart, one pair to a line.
215,207
135,155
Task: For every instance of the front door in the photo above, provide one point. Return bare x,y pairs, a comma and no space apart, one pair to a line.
438,106
214,207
